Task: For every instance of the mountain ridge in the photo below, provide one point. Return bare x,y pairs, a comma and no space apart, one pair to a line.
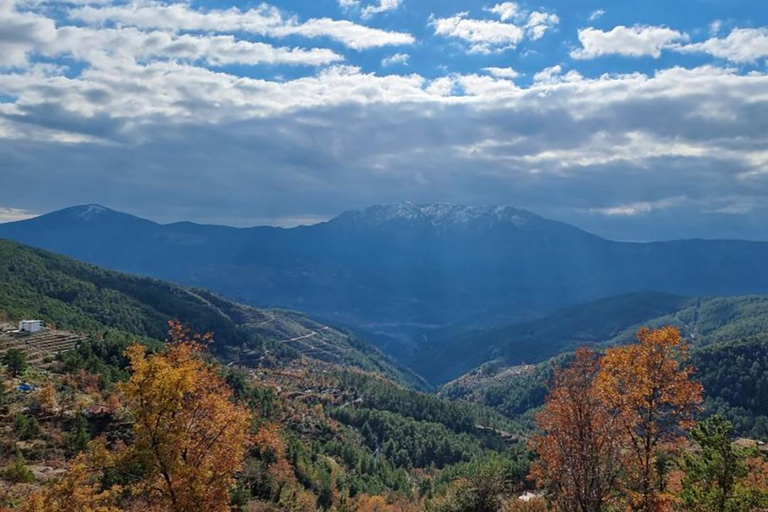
86,298
390,269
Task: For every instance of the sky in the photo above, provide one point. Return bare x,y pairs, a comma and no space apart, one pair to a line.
633,120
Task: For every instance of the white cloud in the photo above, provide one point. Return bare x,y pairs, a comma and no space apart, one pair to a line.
14,214
596,14
640,208
636,41
368,11
507,11
486,36
507,73
147,111
26,32
548,75
20,33
483,36
93,45
539,22
395,59
742,45
380,7
264,20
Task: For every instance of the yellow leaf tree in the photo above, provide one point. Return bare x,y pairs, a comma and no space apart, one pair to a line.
189,435
74,492
649,386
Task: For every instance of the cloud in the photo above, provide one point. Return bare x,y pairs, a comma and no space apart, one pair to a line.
508,73
539,23
635,41
14,214
639,208
344,137
715,27
507,11
395,59
487,36
549,75
596,14
483,36
20,33
380,7
219,50
264,20
25,33
154,107
742,45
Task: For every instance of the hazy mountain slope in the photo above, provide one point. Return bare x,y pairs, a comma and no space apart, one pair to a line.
605,322
732,372
401,270
446,357
729,336
74,295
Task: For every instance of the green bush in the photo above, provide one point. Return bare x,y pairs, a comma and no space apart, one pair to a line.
18,472
26,427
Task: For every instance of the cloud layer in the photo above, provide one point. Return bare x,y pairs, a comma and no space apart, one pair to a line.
164,109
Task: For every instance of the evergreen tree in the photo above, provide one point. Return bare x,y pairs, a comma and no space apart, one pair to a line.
16,362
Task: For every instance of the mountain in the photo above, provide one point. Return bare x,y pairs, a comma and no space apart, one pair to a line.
605,322
448,354
728,335
399,272
78,296
732,372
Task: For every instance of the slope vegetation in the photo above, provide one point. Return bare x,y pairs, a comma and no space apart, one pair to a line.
400,270
81,297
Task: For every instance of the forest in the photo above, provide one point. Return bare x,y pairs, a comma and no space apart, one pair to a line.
345,428
125,426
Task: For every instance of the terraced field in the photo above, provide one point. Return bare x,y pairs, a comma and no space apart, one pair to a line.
39,347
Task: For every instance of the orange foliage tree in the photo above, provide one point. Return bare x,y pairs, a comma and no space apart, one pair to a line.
189,435
648,386
580,447
74,492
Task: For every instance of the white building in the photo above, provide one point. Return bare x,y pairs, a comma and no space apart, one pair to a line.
31,325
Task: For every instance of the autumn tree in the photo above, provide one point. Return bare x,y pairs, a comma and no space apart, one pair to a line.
580,445
76,491
649,387
189,435
46,399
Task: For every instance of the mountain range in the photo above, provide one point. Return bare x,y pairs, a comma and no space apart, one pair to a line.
401,272
72,295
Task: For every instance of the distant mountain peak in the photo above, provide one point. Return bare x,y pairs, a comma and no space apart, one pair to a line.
89,211
439,215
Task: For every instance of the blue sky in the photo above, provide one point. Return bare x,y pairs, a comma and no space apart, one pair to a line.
635,120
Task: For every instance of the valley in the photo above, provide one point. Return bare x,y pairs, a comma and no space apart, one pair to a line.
410,407
394,271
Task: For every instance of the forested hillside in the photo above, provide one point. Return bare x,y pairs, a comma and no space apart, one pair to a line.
322,437
403,270
733,374
449,355
605,322
73,295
